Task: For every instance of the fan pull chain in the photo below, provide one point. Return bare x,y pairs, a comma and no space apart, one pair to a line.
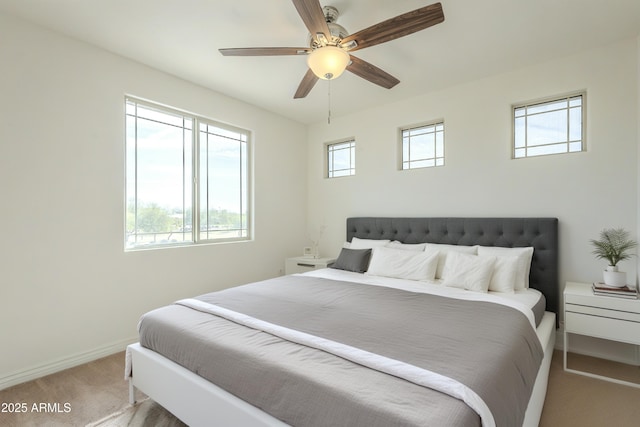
329,103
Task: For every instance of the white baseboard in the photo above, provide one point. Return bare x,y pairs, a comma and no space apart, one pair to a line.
63,363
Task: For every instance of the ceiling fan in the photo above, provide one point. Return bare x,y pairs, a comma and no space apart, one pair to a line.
330,46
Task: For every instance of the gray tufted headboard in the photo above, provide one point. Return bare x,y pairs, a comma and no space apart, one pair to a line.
541,233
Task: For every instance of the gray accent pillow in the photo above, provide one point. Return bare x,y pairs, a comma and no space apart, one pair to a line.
353,260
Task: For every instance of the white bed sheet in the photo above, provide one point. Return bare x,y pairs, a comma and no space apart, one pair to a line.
522,301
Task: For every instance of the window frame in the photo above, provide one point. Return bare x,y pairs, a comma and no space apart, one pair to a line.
331,173
246,181
541,102
401,136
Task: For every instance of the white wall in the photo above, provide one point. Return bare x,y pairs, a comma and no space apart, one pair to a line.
68,291
587,191
638,138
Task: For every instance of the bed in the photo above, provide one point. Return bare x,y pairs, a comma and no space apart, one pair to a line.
292,366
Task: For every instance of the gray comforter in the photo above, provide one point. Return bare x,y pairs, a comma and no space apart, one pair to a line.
491,349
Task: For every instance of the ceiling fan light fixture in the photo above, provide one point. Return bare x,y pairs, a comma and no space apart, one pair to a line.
328,62
329,43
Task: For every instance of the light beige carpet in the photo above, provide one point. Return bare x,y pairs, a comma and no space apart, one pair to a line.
143,414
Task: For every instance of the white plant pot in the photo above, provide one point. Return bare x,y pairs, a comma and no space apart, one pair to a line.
614,278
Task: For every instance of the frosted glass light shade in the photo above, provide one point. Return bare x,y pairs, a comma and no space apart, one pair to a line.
328,62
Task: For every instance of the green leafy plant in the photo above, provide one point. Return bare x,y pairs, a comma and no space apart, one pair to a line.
614,245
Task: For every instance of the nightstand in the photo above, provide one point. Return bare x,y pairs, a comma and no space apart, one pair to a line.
610,318
303,264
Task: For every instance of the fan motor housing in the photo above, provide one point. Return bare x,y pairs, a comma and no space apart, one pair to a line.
338,32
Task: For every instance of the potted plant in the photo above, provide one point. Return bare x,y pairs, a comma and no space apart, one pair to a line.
614,246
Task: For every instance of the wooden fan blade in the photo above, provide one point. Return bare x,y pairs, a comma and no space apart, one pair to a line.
308,82
400,26
311,13
372,73
264,51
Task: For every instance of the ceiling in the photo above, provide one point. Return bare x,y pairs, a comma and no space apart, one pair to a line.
477,39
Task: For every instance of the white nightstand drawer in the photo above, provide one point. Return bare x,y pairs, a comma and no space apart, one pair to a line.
587,298
303,264
603,327
603,312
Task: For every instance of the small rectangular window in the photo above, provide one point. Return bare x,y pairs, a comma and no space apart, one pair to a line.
341,159
423,146
549,127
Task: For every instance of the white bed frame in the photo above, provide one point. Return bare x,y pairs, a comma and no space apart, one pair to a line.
197,402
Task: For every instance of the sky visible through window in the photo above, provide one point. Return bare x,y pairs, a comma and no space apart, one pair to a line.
551,127
165,158
423,146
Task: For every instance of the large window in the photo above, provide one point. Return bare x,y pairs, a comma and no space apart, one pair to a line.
549,127
187,178
423,146
341,159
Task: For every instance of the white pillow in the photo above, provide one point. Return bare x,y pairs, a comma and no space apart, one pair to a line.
402,264
524,261
406,246
366,243
470,272
443,250
504,274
